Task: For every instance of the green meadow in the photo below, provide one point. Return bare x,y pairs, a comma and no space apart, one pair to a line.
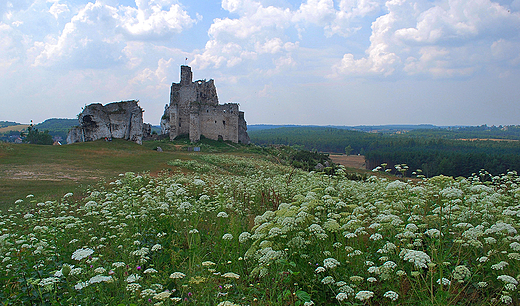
114,223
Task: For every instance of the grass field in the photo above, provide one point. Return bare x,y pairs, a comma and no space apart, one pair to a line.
13,128
51,171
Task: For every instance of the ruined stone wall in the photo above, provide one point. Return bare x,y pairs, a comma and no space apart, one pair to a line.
194,110
243,137
114,120
219,122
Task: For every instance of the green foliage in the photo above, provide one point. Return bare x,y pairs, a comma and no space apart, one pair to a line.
436,151
7,123
34,136
57,127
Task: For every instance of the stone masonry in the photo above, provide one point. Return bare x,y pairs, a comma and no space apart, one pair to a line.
194,110
114,120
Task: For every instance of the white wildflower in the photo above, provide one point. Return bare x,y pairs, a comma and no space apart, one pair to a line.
79,254
391,295
330,263
231,275
508,279
328,280
418,258
227,237
364,295
500,266
176,275
222,214
444,281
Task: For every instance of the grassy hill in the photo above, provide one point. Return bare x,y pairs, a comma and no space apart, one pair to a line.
17,128
51,171
234,225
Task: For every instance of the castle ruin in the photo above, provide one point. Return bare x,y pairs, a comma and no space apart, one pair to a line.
194,110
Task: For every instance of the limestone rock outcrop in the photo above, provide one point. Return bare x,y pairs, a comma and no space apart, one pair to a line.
122,120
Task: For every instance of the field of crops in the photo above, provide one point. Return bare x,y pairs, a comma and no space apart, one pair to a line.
229,230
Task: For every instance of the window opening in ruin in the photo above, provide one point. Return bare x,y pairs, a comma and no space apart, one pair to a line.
224,122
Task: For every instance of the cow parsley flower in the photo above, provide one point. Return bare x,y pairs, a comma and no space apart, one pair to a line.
100,270
328,280
150,270
222,214
515,246
100,278
506,299
371,279
500,266
391,295
433,233
418,258
376,237
364,295
231,275
148,292
461,273
244,237
48,281
162,296
176,275
444,281
508,279
133,278
275,231
227,237
133,287
118,264
81,285
341,296
330,263
79,254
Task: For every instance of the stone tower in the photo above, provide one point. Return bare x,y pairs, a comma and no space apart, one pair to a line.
194,110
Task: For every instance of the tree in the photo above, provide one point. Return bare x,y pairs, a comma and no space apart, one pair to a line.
36,137
348,150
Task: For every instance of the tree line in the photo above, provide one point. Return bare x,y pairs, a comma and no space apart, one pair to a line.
433,151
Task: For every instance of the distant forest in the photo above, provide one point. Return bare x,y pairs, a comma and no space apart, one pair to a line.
449,151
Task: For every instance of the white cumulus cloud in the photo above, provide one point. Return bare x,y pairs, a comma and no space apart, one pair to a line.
96,36
441,38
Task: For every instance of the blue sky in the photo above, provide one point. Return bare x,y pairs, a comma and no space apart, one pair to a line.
325,62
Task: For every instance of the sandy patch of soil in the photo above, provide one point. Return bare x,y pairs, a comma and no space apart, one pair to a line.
46,173
349,161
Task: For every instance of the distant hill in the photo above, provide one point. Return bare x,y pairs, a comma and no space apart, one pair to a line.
8,123
11,129
392,128
55,124
58,128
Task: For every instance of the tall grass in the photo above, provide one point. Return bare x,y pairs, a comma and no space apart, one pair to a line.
228,230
